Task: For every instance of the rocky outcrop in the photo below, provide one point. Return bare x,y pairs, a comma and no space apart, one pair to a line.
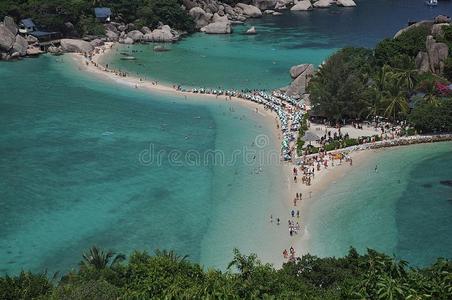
438,30
97,43
111,36
302,5
434,58
9,23
302,75
20,45
55,50
200,17
250,10
442,19
264,4
7,39
323,3
164,34
74,45
217,28
346,3
31,40
135,35
421,23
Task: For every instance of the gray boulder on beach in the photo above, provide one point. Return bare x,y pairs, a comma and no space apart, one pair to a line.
200,17
74,45
301,74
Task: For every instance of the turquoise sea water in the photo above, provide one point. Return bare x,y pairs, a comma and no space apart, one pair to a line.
263,61
76,171
402,209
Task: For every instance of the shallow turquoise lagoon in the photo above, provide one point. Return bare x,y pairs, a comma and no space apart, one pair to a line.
86,163
405,208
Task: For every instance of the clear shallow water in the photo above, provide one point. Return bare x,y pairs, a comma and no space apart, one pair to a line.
262,61
402,209
71,174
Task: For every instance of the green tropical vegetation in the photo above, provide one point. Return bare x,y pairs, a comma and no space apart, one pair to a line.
53,14
358,84
166,275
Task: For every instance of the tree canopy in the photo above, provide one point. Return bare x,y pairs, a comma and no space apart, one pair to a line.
166,275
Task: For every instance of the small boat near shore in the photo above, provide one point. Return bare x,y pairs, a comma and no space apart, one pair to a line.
128,58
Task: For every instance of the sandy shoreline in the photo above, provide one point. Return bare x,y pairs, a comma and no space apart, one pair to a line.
321,180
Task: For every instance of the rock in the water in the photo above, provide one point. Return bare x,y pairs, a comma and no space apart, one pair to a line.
127,41
200,16
323,3
20,45
135,35
250,10
302,5
217,18
252,30
73,45
346,3
264,4
217,28
7,39
298,86
277,13
163,34
442,19
11,25
33,51
97,43
269,12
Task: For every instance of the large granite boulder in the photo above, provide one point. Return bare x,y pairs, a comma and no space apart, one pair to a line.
346,3
323,3
250,10
251,31
111,36
217,28
302,5
298,86
73,45
20,45
97,43
32,40
135,35
200,17
11,25
217,18
437,54
442,19
163,34
438,29
264,4
422,63
421,23
7,39
111,27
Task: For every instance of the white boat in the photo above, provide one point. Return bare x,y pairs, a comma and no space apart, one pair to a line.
431,2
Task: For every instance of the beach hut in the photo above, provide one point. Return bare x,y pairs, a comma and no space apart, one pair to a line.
310,137
27,26
103,14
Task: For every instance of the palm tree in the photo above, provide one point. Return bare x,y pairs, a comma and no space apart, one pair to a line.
395,97
170,255
406,78
100,260
245,264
